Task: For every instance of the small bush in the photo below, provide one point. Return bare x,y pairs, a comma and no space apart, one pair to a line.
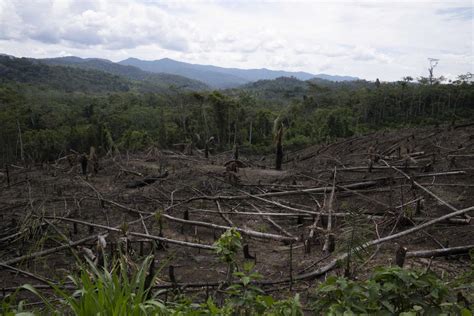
390,291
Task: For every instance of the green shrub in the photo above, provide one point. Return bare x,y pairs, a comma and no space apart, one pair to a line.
248,299
228,244
390,291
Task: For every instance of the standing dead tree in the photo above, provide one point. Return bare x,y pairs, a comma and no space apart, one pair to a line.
83,160
20,139
94,159
279,146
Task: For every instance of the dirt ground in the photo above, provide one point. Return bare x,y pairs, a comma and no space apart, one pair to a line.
440,160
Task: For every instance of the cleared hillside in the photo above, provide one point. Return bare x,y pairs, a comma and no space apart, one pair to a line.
416,195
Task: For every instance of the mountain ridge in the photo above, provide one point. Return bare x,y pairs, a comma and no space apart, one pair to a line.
167,72
129,72
222,77
32,71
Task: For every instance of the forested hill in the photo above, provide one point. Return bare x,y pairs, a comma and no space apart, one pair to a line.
67,79
277,89
118,113
284,89
163,80
221,77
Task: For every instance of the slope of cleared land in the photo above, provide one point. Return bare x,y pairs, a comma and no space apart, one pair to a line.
366,190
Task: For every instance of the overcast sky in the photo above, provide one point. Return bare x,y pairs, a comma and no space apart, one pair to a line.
368,39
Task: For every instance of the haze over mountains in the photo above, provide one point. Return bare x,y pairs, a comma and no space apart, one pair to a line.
220,77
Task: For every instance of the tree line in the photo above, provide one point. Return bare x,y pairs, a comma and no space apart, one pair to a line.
40,122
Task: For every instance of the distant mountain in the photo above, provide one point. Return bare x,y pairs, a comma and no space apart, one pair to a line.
205,74
159,75
336,78
163,80
31,71
219,77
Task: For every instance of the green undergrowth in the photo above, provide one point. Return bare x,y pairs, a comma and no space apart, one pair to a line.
122,288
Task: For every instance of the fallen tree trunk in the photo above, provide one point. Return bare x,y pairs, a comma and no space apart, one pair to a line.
459,221
360,185
136,234
48,251
146,181
421,175
63,247
440,252
426,190
247,232
273,223
333,263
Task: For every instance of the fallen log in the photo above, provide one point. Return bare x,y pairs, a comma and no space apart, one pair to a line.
311,214
360,185
247,232
415,176
331,265
272,222
29,274
136,234
68,245
440,252
222,214
451,207
146,181
48,251
364,168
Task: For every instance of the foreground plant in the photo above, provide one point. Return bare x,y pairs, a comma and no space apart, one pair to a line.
8,308
107,292
126,289
227,246
390,291
246,298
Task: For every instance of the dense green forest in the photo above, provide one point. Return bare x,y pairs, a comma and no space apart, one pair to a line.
147,80
47,110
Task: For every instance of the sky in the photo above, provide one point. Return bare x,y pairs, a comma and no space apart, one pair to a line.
366,39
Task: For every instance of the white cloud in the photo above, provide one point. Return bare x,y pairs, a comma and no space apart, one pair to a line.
368,39
109,25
